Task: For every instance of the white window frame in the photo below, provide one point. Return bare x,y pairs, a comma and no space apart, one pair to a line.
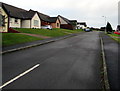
36,23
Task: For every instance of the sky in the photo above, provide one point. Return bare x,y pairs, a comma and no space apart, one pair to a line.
89,11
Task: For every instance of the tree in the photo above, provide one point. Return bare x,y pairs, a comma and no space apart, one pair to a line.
109,28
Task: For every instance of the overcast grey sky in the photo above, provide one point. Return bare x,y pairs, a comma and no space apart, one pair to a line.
90,11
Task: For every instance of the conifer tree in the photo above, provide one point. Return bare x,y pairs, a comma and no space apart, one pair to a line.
109,28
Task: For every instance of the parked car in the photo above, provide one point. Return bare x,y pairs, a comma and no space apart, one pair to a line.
47,27
117,30
87,30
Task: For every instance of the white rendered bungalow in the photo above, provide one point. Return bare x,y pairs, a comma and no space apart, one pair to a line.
13,17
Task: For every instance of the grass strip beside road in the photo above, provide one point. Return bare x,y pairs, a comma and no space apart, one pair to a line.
50,33
115,37
9,39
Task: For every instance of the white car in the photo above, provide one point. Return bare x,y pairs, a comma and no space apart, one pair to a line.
47,27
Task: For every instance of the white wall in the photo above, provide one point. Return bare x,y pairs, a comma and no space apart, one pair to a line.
26,24
36,17
14,24
62,21
80,26
4,28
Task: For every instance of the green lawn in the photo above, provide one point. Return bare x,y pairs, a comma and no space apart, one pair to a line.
46,32
16,38
115,37
9,39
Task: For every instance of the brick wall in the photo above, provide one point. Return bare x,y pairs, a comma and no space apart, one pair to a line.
66,26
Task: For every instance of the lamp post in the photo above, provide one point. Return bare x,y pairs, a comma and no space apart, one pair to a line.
105,22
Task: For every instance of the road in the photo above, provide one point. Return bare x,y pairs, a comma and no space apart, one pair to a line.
72,63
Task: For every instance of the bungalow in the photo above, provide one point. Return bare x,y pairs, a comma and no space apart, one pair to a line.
3,20
81,25
74,24
13,17
54,22
47,20
67,24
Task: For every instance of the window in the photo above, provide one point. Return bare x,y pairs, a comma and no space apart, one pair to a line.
36,23
16,20
2,20
57,24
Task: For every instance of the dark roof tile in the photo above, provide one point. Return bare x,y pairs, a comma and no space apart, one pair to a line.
53,19
15,12
67,20
46,18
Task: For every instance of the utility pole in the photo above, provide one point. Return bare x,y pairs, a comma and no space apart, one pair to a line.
105,22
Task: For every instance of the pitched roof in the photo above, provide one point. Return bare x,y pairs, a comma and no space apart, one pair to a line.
82,23
16,12
67,20
73,20
53,19
43,17
46,18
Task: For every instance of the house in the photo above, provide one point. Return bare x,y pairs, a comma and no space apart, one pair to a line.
47,20
14,17
81,25
74,24
118,28
66,23
54,22
3,20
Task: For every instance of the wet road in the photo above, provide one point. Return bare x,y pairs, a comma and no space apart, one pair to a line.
72,63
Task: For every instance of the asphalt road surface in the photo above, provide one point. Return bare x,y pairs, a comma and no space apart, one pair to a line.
72,63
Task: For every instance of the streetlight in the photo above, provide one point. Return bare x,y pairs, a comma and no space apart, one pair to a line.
105,22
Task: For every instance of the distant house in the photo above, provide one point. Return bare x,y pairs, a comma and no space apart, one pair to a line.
54,22
118,28
67,24
81,25
18,18
74,23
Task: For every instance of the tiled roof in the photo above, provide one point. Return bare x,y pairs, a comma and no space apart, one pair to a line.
73,20
81,23
53,19
67,20
46,18
43,17
15,12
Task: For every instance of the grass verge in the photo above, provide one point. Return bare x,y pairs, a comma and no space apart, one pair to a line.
115,37
9,39
50,33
